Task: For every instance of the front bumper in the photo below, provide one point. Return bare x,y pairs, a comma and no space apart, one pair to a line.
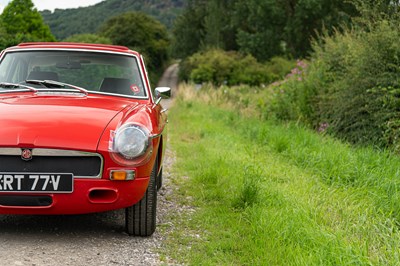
89,196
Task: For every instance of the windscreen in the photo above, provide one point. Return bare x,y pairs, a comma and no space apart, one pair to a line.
94,71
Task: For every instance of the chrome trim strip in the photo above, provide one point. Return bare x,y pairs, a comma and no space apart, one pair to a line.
94,50
17,90
46,152
55,153
155,136
60,91
10,151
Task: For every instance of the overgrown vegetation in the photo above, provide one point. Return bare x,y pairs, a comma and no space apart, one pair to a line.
270,194
351,87
232,68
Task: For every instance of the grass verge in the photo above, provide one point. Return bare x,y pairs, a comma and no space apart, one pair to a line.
269,194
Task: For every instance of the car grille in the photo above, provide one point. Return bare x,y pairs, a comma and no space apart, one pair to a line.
80,164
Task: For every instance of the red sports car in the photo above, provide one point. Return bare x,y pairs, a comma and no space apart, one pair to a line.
81,131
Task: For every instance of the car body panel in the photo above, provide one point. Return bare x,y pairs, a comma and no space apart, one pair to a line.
81,201
80,122
54,121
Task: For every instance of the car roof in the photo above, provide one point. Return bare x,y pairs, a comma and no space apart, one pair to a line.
71,45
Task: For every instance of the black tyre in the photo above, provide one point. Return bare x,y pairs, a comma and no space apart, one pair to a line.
140,219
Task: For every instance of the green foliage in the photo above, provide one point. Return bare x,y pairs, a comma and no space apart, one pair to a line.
273,194
308,19
204,25
373,11
260,27
21,22
351,88
66,22
142,33
187,32
263,28
88,38
249,192
6,39
280,66
231,68
293,98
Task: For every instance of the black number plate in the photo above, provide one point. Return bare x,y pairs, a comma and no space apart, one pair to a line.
36,182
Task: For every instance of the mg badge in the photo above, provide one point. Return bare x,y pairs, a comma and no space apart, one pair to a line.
26,154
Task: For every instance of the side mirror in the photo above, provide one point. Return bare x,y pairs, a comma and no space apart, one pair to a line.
162,93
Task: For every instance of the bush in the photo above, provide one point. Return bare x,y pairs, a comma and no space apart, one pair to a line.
291,99
231,68
280,66
351,88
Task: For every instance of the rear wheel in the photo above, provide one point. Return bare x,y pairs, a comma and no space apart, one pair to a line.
140,219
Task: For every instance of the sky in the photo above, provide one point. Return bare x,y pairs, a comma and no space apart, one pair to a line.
53,4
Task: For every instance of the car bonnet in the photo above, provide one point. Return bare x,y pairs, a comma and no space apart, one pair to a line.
57,122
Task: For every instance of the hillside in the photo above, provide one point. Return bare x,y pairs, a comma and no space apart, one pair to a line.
66,22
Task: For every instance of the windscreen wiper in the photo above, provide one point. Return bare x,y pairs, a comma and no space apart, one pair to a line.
8,85
55,84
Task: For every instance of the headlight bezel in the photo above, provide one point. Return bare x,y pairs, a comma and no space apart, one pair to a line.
118,144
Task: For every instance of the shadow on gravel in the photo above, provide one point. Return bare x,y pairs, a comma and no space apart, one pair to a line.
107,223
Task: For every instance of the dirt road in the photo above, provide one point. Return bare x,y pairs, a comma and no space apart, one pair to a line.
169,79
93,239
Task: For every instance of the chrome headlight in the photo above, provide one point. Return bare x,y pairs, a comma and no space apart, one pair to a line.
131,141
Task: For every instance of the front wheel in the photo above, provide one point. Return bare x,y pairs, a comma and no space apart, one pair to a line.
140,219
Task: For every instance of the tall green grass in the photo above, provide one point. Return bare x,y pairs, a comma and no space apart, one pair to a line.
269,194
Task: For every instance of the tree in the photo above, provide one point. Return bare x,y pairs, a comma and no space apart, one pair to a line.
139,32
274,27
188,30
262,28
219,32
309,18
204,24
22,22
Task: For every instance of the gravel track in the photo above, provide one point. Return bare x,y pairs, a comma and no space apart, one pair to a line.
92,239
